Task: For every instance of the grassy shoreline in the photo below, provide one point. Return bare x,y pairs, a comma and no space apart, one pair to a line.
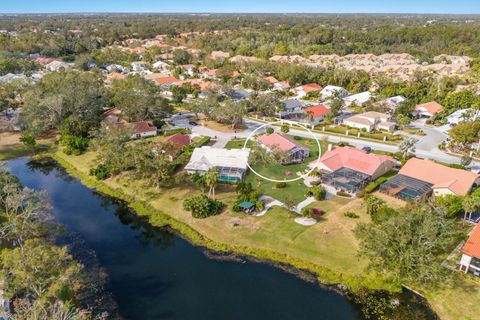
160,219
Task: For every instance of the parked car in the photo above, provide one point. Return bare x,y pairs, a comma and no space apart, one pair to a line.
367,149
193,123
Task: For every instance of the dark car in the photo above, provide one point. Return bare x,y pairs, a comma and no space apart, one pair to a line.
193,123
367,149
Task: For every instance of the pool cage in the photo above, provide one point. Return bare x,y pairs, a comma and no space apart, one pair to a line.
346,179
229,174
406,188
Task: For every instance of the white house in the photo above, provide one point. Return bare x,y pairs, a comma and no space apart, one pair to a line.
462,115
393,102
370,121
161,66
139,66
230,163
330,91
359,99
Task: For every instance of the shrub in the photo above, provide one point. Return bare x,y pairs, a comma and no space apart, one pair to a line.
280,185
259,205
73,144
244,187
269,130
202,207
373,204
351,214
101,172
297,138
374,185
285,128
318,192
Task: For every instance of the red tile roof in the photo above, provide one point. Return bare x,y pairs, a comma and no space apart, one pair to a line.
352,158
271,79
178,139
318,111
279,141
456,180
472,245
309,87
165,80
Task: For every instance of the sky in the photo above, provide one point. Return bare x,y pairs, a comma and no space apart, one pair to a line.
263,6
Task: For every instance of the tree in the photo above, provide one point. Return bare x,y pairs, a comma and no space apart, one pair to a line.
410,244
373,204
465,133
452,204
231,112
139,99
25,215
211,180
269,130
182,56
285,128
28,140
59,95
471,204
38,271
267,104
407,147
202,207
289,202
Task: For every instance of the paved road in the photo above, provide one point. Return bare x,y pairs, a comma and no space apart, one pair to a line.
426,147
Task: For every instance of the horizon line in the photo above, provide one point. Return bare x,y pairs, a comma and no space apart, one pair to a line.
246,12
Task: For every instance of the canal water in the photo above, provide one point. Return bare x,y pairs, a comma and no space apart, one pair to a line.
155,274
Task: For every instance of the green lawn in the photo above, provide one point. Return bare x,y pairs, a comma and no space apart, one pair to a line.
237,144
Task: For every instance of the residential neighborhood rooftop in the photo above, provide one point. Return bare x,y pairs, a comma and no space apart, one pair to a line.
472,245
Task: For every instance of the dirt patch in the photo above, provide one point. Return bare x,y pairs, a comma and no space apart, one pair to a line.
9,138
221,127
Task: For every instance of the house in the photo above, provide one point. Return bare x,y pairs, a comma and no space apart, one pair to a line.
359,99
393,102
272,80
189,69
230,163
332,91
113,116
292,108
114,76
281,86
427,110
350,169
470,260
57,65
296,153
209,74
370,121
117,68
302,91
419,177
239,94
462,115
138,66
139,129
165,80
179,140
315,114
161,66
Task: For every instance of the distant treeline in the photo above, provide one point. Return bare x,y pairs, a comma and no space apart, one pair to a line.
258,35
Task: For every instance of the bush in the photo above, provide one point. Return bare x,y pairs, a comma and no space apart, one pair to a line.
318,192
351,214
269,130
173,131
73,144
101,172
202,207
280,185
297,138
374,185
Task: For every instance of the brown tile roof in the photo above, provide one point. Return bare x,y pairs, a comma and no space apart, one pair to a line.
178,139
318,110
138,127
456,180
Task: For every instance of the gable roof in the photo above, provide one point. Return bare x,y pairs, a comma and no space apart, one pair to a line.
318,110
165,80
472,245
279,141
352,158
432,107
456,180
178,139
309,87
271,79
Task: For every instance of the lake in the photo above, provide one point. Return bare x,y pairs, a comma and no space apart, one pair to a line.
155,274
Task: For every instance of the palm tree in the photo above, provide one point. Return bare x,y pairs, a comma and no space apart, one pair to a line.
407,147
211,179
470,205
